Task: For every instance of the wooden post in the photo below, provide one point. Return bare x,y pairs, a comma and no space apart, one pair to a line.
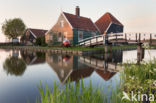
104,39
144,37
136,37
139,37
150,39
140,53
90,42
126,37
96,40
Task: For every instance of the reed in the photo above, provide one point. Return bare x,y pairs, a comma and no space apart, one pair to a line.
77,93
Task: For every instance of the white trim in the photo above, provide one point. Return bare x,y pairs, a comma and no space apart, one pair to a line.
67,20
34,59
67,76
32,33
47,32
108,27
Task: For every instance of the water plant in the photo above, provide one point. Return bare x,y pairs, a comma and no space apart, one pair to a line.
78,93
140,79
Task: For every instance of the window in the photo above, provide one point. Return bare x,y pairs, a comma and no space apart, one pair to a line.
60,37
80,34
61,23
50,37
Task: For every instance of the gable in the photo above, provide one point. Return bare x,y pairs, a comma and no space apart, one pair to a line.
57,27
105,22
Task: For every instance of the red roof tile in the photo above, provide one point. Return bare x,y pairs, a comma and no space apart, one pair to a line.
104,22
80,22
38,32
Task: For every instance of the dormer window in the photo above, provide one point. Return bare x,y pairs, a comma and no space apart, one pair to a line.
62,23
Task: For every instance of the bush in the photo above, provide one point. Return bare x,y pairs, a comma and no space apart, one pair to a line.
40,41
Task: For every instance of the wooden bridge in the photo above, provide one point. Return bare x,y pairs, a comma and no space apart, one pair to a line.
100,64
119,38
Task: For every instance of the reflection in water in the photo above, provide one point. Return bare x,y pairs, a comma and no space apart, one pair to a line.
105,75
32,58
67,67
101,68
14,66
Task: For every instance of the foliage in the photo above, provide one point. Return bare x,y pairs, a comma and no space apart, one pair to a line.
40,41
13,28
140,78
14,66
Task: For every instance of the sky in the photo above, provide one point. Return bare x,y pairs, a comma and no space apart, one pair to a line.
135,15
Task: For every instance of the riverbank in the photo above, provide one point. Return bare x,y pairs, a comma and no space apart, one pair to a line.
73,50
70,50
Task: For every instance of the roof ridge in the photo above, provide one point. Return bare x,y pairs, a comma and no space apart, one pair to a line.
75,15
83,23
36,29
112,18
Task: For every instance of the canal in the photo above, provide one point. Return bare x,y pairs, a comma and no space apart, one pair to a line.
22,71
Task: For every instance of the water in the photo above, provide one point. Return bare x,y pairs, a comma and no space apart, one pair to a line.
22,71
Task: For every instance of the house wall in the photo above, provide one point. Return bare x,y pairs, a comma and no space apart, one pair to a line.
65,30
114,28
86,34
28,37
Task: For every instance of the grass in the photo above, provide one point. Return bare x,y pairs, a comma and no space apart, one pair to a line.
78,93
73,48
140,76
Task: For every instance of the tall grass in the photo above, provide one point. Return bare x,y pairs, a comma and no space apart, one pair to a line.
140,76
77,93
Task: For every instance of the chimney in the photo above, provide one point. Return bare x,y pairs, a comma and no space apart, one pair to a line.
77,11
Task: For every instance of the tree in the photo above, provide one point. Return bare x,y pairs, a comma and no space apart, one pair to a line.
13,28
14,66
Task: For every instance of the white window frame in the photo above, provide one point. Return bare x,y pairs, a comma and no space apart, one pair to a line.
80,32
50,37
59,37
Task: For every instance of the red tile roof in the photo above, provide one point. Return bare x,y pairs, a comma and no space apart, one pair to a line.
80,22
81,73
38,32
104,22
105,75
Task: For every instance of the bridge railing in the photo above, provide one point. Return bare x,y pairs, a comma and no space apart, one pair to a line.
115,36
100,39
92,40
127,37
